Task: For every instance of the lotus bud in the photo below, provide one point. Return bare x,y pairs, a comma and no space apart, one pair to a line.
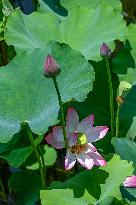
51,68
130,182
105,51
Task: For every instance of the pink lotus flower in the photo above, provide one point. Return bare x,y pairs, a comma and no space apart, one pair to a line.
130,182
51,68
80,136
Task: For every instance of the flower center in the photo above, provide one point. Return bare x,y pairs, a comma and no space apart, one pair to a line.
82,139
80,146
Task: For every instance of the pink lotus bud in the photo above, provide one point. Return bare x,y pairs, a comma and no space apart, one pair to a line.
130,182
105,51
51,68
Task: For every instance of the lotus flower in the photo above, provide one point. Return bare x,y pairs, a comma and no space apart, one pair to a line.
130,182
51,68
80,136
105,51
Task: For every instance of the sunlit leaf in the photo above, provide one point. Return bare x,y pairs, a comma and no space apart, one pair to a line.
26,95
86,33
62,196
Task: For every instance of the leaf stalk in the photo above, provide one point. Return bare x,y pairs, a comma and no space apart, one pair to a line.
37,156
111,95
61,111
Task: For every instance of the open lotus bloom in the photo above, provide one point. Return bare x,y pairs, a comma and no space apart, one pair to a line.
130,182
80,136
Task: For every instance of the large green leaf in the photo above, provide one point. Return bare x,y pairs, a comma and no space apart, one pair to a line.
18,155
82,32
118,171
128,115
126,149
69,4
131,37
101,184
61,196
18,149
26,95
26,185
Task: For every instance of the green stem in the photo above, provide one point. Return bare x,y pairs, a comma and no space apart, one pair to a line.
117,121
2,190
37,156
61,111
43,162
111,96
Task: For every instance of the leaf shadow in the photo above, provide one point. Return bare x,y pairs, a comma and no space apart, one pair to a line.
89,180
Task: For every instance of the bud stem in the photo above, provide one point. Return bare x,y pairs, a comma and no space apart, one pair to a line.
111,95
37,156
117,120
61,111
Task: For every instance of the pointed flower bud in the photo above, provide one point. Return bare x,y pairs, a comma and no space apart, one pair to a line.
51,68
105,51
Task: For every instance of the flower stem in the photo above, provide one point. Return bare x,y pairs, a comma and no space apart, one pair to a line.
43,162
117,121
37,156
111,96
61,110
2,190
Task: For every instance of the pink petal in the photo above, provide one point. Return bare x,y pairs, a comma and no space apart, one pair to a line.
56,138
86,124
72,138
90,148
72,120
85,161
97,133
70,160
130,182
97,158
